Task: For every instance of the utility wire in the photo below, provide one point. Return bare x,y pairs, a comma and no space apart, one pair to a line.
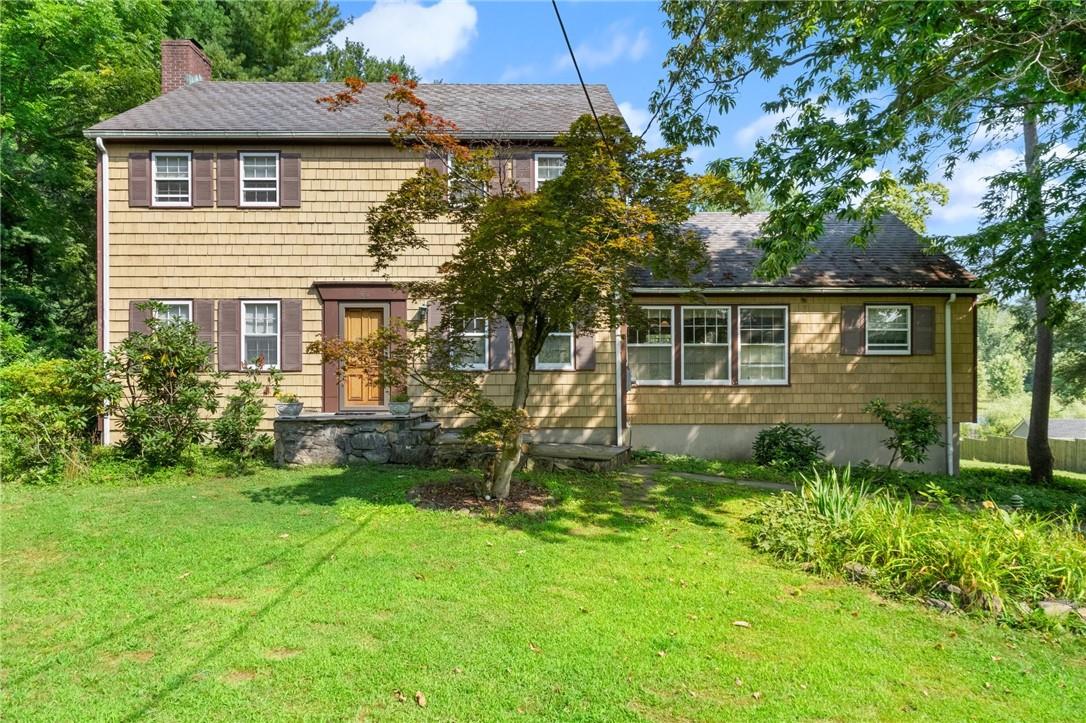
573,57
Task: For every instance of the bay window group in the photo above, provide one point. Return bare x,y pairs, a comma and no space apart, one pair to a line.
709,345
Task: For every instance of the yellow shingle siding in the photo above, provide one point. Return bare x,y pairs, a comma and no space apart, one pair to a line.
825,385
262,253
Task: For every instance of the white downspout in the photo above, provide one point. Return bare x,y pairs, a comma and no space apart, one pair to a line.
105,270
948,358
619,371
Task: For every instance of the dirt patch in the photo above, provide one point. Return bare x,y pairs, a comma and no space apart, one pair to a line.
458,494
239,676
138,656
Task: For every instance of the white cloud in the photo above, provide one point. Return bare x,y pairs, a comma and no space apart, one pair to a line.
759,127
618,45
637,118
969,183
427,36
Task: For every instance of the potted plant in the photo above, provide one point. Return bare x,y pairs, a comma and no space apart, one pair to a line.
289,405
400,404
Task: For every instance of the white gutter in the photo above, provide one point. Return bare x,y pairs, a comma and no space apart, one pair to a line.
619,371
949,373
105,270
806,290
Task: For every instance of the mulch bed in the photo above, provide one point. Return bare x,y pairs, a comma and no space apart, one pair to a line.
458,494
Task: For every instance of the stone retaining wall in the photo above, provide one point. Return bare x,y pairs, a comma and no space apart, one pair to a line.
336,439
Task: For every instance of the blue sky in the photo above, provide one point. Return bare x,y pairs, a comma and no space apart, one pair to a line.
621,44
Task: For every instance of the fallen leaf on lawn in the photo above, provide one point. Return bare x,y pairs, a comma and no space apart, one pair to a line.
987,685
521,552
399,696
996,658
661,653
803,686
489,543
183,575
738,681
584,609
419,576
284,536
534,648
420,699
741,624
458,670
756,695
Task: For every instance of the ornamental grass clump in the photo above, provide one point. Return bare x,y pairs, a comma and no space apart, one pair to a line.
983,559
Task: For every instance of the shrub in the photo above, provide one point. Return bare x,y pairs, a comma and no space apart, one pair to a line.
235,430
913,428
160,386
1005,375
787,447
48,409
978,560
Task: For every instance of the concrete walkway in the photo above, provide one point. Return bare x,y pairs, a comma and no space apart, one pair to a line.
646,471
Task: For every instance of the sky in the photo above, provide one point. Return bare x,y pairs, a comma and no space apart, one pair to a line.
620,44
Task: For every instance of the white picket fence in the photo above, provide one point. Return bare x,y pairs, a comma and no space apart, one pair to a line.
1069,454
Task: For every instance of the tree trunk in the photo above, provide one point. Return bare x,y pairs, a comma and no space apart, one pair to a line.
1037,448
501,474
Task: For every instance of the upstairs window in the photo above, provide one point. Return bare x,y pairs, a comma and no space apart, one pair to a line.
260,333
259,179
476,337
706,353
548,166
557,351
889,329
649,347
763,345
175,311
171,179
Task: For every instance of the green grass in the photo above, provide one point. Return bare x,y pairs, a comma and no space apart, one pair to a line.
319,594
978,481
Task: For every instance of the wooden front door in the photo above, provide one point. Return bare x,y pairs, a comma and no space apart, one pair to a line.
359,389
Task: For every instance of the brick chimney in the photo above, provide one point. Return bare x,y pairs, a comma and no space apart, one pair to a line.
183,62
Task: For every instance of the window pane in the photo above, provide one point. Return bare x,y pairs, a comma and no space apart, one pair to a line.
549,167
265,346
655,330
474,335
172,166
171,178
705,363
763,354
261,319
175,312
705,326
252,196
259,166
889,318
650,363
556,350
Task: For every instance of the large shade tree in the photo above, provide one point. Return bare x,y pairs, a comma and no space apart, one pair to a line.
914,88
537,263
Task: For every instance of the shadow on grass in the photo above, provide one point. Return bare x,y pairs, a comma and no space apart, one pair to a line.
607,508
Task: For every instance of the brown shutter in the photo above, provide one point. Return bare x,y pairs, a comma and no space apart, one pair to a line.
290,180
923,330
853,333
137,317
524,171
229,335
139,179
292,335
203,314
203,184
436,163
584,352
228,179
501,346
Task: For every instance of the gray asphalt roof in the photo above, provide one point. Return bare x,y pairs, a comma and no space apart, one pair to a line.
893,258
1057,428
229,109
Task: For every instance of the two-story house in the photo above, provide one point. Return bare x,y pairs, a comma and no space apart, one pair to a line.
242,206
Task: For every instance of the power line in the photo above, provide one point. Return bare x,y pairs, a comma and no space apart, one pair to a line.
588,97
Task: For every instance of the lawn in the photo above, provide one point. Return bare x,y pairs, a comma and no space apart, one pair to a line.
321,594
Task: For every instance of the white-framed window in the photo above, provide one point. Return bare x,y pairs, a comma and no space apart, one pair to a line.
557,351
175,311
548,166
260,179
476,336
260,333
649,346
888,328
763,344
171,178
706,350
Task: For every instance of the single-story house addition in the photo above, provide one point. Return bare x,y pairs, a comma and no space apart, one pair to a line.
242,206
